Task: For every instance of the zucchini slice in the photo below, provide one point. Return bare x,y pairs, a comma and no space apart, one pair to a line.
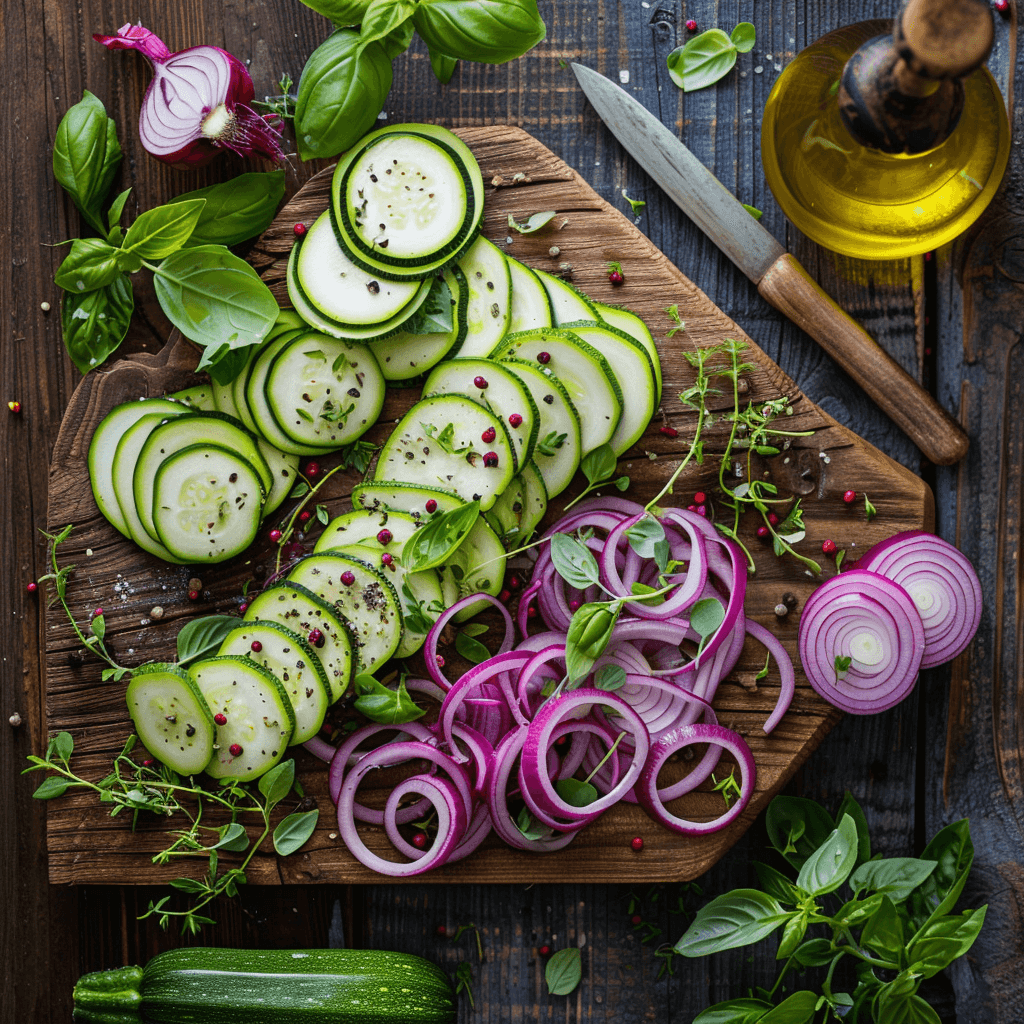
364,527
629,322
633,369
536,504
322,392
559,447
530,305
399,496
196,428
477,564
259,720
440,441
369,603
405,355
294,663
506,514
171,717
103,445
201,397
207,503
567,302
583,372
302,612
497,388
489,303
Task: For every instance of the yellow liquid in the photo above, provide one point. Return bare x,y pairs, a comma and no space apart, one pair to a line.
859,201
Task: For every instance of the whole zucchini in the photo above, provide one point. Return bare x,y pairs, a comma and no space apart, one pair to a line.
271,986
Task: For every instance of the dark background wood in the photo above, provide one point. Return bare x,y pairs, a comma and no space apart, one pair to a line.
913,768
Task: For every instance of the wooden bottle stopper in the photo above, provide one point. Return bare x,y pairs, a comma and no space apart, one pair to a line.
903,93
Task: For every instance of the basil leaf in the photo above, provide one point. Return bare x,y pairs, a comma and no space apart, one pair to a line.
294,831
95,323
91,264
530,827
443,66
233,838
398,39
830,865
706,616
163,230
114,217
276,784
897,877
797,827
954,851
883,932
214,298
814,953
225,364
533,223
743,37
776,884
203,635
51,787
379,703
573,561
733,1011
920,1012
891,1004
600,464
644,534
383,17
738,918
436,315
563,971
590,632
798,1008
432,544
86,156
341,12
853,809
575,792
857,911
341,91
943,940
792,936
235,210
706,58
489,31
610,677
472,650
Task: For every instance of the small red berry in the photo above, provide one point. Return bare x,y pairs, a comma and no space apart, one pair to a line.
480,382
235,750
773,519
304,517
220,718
763,532
275,536
148,763
515,420
488,435
1002,6
691,25
490,459
543,357
829,547
15,407
442,930
515,582
32,587
384,537
531,612
431,505
312,469
574,606
348,578
849,497
699,498
256,646
299,229
617,277
242,608
691,508
439,658
636,919
544,950
637,843
386,559
193,595
505,596
668,431
327,729
316,638
419,840
702,510
97,612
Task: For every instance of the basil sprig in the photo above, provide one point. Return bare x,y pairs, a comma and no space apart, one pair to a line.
211,296
896,921
706,58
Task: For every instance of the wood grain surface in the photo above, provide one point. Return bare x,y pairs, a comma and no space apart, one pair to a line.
893,763
85,845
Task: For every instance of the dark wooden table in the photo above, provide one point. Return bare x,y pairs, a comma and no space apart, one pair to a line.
952,749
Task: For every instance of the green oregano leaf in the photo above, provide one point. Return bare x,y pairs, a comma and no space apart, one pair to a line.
563,971
293,832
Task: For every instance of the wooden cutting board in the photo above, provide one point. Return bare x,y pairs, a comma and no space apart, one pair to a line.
86,845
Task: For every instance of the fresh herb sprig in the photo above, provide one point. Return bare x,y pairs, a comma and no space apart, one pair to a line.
892,916
156,789
283,104
599,467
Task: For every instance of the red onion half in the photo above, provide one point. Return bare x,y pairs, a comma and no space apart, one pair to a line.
196,103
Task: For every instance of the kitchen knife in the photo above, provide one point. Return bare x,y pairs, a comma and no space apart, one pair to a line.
778,275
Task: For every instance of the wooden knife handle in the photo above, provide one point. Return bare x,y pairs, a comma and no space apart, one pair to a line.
794,293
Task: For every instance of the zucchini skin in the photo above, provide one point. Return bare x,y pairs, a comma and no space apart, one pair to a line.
199,985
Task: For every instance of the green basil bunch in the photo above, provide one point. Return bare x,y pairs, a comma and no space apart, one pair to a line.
211,296
347,78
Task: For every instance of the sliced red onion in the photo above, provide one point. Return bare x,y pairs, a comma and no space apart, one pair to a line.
348,754
786,674
942,584
871,620
430,646
196,103
651,798
319,747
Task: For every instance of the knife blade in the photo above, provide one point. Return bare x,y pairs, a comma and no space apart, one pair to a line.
778,275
